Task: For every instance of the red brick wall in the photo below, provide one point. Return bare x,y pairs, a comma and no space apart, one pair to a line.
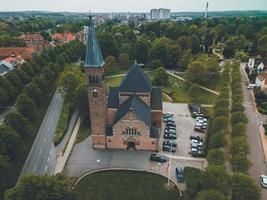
111,115
157,117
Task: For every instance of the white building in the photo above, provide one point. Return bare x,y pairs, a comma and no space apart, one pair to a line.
261,80
160,14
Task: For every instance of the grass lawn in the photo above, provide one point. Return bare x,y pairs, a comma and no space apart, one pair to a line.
178,90
83,133
62,123
125,185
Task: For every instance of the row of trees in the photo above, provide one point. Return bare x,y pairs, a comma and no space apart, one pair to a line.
17,129
215,182
239,146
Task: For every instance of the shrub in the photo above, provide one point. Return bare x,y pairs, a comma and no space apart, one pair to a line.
210,195
217,140
238,117
219,123
216,156
239,129
240,146
240,163
192,180
237,107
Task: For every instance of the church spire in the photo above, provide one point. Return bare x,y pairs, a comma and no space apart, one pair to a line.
93,57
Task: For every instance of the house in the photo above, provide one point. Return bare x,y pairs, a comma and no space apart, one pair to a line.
5,67
15,60
133,113
256,65
35,40
27,53
61,38
261,80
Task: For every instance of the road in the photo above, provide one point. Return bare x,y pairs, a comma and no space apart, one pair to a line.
256,151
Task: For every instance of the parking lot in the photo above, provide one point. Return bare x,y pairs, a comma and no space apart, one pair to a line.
184,128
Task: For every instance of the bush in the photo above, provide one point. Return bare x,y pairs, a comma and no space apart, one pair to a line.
239,146
237,107
238,117
193,177
210,195
216,156
239,129
240,163
217,140
219,123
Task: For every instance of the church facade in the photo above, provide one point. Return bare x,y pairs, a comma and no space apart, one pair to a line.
131,114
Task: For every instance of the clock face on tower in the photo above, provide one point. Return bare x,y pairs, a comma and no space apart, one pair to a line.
95,93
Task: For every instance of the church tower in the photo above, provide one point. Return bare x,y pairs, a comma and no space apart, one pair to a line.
95,80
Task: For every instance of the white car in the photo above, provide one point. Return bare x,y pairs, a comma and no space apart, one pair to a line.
263,181
201,119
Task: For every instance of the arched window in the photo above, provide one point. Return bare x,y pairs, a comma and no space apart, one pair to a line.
131,132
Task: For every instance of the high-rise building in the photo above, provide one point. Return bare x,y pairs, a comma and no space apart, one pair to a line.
160,14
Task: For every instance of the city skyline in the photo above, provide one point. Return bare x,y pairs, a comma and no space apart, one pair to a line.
131,6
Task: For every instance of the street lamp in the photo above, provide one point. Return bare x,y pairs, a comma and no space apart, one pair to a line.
98,162
170,163
159,164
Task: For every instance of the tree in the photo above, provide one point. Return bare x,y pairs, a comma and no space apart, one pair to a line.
5,171
41,82
14,80
26,106
3,99
41,187
216,156
34,92
261,45
161,78
240,163
23,76
210,195
238,117
192,180
215,177
239,129
195,44
240,146
17,122
130,36
185,60
141,51
244,187
217,139
197,72
108,44
159,50
9,143
110,64
8,88
154,64
124,60
228,52
185,42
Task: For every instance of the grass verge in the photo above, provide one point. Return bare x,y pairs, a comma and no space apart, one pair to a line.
62,123
83,133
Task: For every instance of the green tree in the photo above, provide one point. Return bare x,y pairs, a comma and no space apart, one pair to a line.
5,171
240,163
154,64
215,177
141,51
14,80
161,78
111,64
26,106
124,60
261,45
244,187
239,129
193,177
185,42
239,146
34,92
17,122
197,72
108,44
210,195
216,157
41,187
9,143
238,117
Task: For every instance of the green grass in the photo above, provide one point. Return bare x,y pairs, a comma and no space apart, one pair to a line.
83,133
178,90
125,185
62,123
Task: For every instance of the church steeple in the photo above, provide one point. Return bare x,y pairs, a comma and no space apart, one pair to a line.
93,57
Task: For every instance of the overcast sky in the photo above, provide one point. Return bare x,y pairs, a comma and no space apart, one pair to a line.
129,5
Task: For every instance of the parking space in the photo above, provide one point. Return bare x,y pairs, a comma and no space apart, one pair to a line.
184,128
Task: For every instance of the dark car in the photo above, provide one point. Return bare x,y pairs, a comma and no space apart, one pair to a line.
179,174
199,129
158,158
168,148
170,130
169,143
171,124
196,137
169,136
171,127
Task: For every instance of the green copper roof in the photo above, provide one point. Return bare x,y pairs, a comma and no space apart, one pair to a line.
93,57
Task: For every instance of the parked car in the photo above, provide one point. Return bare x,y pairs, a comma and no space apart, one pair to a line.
195,152
168,114
263,181
167,130
169,136
171,127
199,129
170,143
179,174
170,119
158,158
171,124
196,145
196,137
168,148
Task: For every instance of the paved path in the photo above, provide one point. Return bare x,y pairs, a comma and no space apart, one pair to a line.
42,156
199,86
256,149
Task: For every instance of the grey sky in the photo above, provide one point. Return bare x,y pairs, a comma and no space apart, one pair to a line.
129,5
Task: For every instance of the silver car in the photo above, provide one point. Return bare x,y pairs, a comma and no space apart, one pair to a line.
263,181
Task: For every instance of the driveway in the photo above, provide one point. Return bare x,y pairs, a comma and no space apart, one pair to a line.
254,121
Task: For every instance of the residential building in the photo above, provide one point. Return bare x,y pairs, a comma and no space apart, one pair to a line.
261,80
35,40
60,38
133,113
27,53
160,14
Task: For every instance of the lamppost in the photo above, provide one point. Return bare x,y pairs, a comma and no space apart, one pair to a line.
98,162
159,164
170,163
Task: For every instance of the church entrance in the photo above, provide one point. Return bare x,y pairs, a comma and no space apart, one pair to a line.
131,143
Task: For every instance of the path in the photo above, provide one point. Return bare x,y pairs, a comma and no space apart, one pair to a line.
199,86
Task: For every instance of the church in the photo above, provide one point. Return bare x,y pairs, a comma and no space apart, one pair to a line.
130,116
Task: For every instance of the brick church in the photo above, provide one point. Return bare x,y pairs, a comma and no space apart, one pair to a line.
131,114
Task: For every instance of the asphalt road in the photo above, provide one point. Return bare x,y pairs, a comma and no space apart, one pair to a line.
42,156
256,151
